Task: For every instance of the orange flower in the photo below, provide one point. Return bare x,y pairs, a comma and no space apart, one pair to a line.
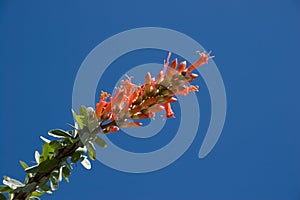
169,111
182,66
201,61
132,102
102,103
160,77
172,69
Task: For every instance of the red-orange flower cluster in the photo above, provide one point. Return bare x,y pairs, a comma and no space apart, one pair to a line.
132,102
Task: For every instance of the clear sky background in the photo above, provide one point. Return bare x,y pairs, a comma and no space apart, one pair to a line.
256,43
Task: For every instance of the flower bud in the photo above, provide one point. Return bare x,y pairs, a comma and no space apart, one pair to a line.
160,77
173,65
148,78
169,111
172,69
182,66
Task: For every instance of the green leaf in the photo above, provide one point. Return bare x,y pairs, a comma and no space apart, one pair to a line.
59,133
67,141
53,183
5,189
76,156
100,142
37,194
2,197
23,164
60,175
37,157
70,132
45,139
34,198
92,124
12,183
91,150
82,150
76,130
54,144
68,165
86,163
75,133
78,119
66,179
82,111
85,137
47,153
45,187
55,174
91,112
66,172
43,166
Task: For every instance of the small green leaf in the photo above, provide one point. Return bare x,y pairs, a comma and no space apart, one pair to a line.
55,174
76,130
37,194
91,112
67,141
82,150
53,183
66,179
85,137
68,165
34,198
60,175
2,197
59,133
47,152
43,166
54,144
45,187
5,189
23,164
78,119
100,142
76,156
37,157
12,183
86,163
45,139
82,111
92,125
70,132
91,150
66,172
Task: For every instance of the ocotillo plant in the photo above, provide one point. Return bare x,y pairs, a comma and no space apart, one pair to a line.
129,103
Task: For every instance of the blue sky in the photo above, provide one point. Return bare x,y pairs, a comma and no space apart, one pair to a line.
43,43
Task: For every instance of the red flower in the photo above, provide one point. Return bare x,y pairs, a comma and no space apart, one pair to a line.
201,61
169,111
132,102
